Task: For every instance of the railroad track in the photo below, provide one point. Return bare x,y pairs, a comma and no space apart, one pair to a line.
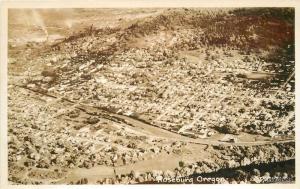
155,130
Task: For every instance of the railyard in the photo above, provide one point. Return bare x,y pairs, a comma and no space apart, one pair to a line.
175,94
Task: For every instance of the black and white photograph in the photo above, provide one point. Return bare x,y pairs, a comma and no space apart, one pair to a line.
150,95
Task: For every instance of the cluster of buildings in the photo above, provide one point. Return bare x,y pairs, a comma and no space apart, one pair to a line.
194,95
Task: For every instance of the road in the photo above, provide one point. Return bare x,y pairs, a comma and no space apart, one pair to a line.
156,131
162,133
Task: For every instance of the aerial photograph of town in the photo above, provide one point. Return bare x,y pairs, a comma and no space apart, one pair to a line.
151,96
